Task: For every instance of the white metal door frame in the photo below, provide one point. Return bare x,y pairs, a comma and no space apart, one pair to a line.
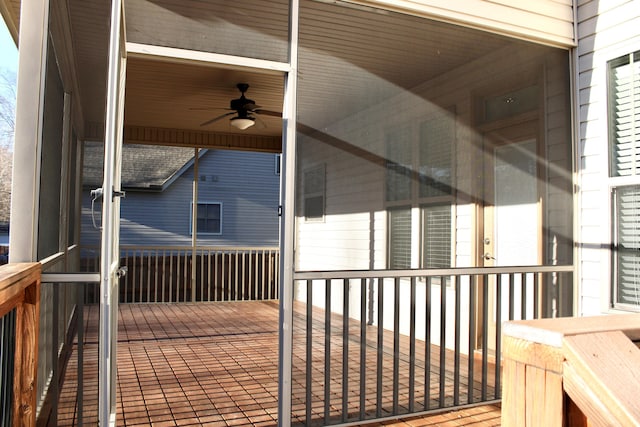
109,264
109,268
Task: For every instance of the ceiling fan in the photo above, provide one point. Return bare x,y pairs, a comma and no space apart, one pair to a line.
243,108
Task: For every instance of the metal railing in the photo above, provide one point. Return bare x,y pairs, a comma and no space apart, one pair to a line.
380,344
169,274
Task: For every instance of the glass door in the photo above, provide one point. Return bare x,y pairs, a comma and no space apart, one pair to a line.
110,270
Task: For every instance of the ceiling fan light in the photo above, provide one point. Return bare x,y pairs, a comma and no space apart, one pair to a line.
242,123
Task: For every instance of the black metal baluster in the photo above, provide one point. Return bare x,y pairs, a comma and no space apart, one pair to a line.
363,345
379,349
412,346
456,361
473,283
443,339
485,333
327,350
309,358
427,346
345,349
498,333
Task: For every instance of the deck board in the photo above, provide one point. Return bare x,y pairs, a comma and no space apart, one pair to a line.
217,364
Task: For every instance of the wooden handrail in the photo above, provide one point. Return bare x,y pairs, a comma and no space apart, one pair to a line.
20,289
572,372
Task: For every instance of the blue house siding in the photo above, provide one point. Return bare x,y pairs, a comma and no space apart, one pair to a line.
245,183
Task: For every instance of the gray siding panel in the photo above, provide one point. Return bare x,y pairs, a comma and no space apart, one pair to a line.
244,182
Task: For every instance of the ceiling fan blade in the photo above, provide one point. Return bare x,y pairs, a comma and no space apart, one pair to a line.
215,119
268,113
250,106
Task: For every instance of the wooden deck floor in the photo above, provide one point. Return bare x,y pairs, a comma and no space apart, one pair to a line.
202,364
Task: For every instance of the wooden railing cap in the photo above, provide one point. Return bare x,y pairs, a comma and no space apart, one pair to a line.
551,332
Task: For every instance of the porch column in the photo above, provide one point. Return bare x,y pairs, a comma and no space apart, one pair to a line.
32,60
194,225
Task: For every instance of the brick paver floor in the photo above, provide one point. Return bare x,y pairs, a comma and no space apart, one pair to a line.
204,364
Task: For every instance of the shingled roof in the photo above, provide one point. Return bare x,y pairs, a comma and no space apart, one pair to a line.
144,167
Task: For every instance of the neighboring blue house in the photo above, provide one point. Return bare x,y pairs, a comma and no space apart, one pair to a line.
238,197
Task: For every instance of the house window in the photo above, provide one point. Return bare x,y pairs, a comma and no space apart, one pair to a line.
209,218
436,141
314,193
400,238
624,115
627,246
436,236
398,166
419,174
624,145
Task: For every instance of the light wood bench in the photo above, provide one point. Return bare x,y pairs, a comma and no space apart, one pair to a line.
572,372
20,289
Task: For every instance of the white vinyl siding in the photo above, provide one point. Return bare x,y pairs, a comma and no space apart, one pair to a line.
550,21
243,182
606,30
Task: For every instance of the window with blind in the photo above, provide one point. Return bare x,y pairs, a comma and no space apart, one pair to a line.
624,115
624,143
627,245
436,236
436,137
419,173
400,238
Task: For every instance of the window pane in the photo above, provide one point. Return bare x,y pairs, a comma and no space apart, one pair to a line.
313,207
400,238
627,249
314,193
399,167
209,218
436,236
437,137
390,104
624,115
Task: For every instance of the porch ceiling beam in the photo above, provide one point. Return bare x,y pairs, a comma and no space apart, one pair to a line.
191,138
172,54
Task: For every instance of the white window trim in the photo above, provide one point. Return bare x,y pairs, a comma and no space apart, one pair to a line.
614,183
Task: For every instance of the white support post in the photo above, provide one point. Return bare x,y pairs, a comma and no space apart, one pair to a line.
287,221
194,226
25,196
